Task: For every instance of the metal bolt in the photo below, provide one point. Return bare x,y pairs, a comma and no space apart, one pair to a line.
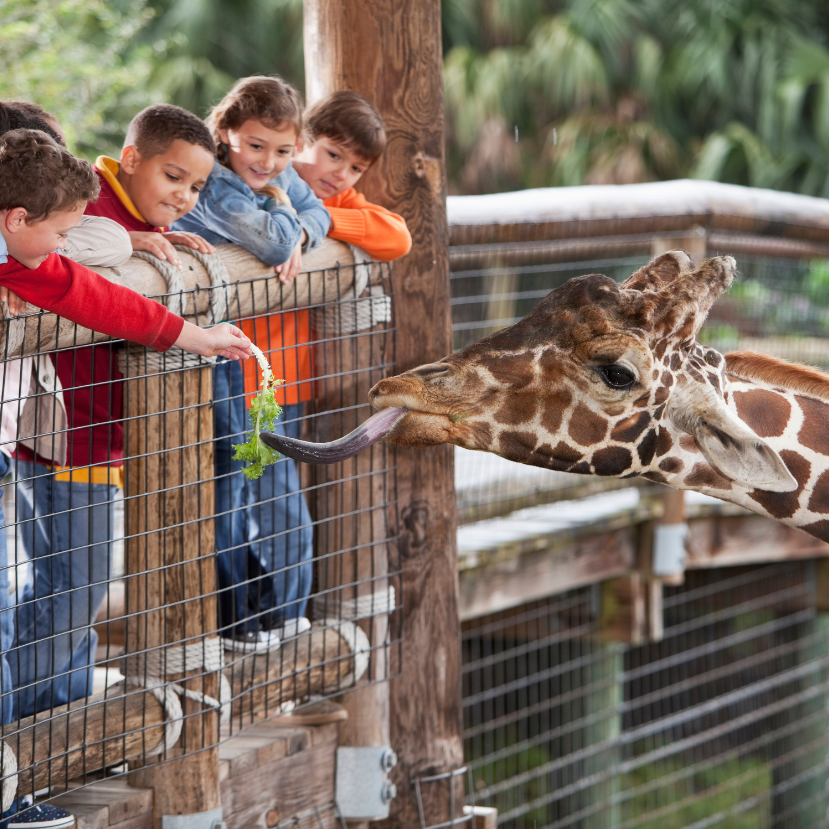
389,791
389,760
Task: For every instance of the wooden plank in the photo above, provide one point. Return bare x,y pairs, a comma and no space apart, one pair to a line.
483,817
281,789
722,541
392,54
171,575
107,802
553,564
666,207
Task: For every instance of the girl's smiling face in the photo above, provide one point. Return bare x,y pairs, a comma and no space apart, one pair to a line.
258,153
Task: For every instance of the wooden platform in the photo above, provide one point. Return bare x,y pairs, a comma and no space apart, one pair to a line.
271,772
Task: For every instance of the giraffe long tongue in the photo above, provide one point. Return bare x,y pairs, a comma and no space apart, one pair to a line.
374,429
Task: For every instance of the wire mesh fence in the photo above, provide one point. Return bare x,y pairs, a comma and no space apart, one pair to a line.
158,600
722,723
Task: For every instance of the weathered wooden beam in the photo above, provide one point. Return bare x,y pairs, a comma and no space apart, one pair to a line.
559,563
392,54
171,571
721,541
254,289
656,207
351,550
119,724
513,573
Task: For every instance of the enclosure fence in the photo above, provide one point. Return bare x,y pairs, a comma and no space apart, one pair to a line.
159,602
596,695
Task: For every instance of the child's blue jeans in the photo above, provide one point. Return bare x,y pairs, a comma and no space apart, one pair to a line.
66,529
264,536
238,571
8,711
283,539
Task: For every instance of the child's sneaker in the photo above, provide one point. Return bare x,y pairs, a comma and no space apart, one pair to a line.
291,628
44,816
248,642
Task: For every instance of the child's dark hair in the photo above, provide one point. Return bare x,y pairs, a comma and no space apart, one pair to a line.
350,120
269,100
40,175
17,115
155,128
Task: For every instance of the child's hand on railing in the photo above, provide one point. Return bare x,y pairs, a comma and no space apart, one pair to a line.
289,270
222,340
16,304
190,240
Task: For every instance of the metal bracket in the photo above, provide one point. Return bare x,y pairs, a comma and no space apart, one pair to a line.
363,789
200,820
468,818
669,549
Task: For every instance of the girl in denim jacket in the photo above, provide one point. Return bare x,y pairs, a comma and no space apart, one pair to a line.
255,199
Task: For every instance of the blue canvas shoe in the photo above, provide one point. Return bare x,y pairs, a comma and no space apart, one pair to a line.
43,816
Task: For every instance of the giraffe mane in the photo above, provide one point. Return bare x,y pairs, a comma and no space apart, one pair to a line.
748,365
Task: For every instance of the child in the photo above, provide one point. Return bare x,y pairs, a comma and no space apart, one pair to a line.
344,137
256,127
43,193
71,507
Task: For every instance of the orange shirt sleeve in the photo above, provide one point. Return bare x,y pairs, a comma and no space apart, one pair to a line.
380,233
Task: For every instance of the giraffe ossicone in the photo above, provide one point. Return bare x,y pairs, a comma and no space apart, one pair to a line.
610,379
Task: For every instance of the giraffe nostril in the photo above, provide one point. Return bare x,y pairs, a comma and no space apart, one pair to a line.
432,371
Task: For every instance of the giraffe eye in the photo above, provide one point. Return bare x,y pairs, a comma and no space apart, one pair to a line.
617,377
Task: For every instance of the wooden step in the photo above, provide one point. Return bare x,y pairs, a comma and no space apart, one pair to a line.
272,771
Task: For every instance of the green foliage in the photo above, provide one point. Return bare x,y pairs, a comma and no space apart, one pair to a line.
75,59
263,412
708,791
204,46
612,91
817,282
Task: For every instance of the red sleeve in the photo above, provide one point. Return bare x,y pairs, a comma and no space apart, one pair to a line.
66,288
380,233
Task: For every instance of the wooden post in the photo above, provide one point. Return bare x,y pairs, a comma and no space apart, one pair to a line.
352,554
391,53
171,575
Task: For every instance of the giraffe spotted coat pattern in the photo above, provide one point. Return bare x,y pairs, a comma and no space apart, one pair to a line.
609,379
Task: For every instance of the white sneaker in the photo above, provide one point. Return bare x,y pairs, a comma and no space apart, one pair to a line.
269,639
293,627
249,642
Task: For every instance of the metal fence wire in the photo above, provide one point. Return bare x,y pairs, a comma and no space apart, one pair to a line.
159,601
722,723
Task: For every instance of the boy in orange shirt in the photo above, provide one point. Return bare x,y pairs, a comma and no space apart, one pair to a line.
344,136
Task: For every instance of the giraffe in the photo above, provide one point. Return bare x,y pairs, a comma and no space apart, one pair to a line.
609,379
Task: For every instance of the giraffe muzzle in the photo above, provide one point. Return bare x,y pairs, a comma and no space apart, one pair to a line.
374,429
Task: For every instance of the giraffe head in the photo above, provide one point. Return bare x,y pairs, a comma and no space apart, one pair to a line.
599,378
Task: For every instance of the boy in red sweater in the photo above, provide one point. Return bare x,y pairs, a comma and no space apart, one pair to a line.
67,513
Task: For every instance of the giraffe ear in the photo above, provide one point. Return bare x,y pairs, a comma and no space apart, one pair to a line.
731,447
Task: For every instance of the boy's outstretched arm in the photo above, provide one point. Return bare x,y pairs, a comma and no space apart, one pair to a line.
222,340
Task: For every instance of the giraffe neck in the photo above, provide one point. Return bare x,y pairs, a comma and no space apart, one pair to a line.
795,424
